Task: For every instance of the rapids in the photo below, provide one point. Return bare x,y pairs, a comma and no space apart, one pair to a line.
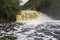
41,28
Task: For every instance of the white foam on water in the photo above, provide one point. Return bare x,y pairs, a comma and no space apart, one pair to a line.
42,18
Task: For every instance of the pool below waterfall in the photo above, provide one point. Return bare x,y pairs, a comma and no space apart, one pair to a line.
23,31
42,28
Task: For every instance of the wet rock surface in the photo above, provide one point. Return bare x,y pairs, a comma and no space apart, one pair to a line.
44,31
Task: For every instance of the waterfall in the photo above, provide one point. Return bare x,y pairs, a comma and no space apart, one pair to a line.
41,28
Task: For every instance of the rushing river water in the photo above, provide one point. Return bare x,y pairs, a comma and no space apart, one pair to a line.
32,30
43,31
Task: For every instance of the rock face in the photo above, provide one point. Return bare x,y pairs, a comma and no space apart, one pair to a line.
26,15
49,7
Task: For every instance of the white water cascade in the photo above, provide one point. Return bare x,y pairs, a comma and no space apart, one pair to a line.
41,28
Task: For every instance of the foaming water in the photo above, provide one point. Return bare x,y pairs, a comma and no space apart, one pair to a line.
41,28
43,31
39,19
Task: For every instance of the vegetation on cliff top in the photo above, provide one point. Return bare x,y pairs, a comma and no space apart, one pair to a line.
9,9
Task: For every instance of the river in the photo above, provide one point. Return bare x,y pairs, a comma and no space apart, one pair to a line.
42,28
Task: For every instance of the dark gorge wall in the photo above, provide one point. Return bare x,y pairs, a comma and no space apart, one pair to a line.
53,10
49,7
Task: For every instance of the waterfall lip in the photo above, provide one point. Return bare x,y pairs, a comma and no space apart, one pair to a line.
39,20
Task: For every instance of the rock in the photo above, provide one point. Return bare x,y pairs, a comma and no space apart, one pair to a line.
57,32
56,36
